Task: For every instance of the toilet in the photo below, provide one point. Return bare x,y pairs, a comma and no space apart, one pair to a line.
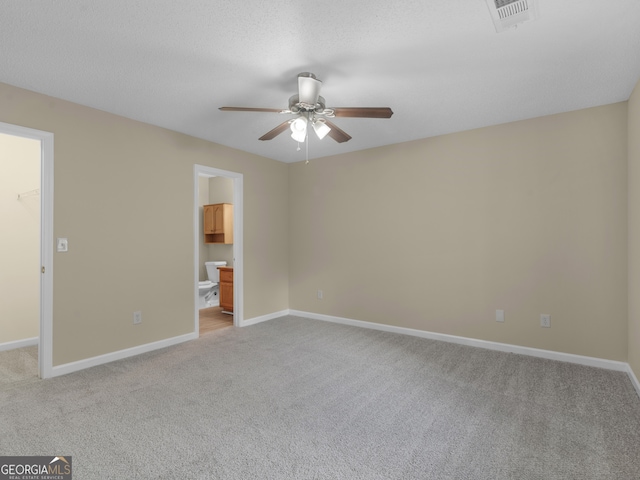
209,290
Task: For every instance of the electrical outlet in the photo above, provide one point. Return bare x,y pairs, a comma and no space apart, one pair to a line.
137,318
320,294
545,320
499,315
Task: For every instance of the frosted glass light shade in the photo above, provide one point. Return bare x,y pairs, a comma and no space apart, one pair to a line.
321,128
299,129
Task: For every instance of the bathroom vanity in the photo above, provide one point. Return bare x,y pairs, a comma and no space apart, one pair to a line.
226,289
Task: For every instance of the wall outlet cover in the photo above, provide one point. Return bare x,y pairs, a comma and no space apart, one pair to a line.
545,320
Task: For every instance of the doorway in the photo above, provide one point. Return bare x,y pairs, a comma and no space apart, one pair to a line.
235,260
37,199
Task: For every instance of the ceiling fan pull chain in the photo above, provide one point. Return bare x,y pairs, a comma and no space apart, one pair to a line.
306,143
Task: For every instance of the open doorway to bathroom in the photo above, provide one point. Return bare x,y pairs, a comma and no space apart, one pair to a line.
218,234
26,246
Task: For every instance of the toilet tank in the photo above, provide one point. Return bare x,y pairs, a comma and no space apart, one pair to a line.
212,270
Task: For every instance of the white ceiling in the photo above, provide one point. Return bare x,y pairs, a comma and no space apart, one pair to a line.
439,64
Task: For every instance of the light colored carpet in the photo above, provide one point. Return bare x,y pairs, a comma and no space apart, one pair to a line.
302,399
18,366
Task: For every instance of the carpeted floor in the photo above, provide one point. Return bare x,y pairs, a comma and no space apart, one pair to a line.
302,399
18,366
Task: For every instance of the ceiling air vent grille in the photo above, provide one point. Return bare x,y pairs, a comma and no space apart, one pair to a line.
508,14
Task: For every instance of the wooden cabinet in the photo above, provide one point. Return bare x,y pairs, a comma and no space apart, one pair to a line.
218,223
226,289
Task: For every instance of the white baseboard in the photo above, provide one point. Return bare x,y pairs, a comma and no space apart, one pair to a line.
501,347
130,352
264,318
119,355
26,342
634,380
217,304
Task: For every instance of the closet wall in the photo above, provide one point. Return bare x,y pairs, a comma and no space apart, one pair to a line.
20,239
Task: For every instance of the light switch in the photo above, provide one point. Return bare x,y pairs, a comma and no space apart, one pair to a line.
63,245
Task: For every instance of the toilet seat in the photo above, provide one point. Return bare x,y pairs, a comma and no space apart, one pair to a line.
206,285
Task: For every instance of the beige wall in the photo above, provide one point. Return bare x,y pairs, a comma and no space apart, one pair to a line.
436,234
124,198
634,229
221,191
20,238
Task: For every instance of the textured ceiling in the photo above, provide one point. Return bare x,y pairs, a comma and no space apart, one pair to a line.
439,64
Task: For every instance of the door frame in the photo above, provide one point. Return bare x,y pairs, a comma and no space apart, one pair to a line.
45,335
238,216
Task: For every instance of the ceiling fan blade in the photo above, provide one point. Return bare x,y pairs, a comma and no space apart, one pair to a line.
336,133
363,112
276,131
308,88
250,109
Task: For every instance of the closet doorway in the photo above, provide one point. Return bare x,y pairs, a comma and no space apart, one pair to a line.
26,249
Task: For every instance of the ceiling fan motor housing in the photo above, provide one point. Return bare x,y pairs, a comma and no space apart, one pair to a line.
296,106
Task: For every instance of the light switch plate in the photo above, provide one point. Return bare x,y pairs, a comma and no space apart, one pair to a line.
62,245
499,315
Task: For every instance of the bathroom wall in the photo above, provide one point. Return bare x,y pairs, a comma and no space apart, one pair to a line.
221,191
203,251
20,238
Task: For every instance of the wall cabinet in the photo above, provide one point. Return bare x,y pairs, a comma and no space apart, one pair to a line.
226,289
218,223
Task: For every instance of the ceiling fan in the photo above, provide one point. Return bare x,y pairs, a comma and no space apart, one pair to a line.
308,109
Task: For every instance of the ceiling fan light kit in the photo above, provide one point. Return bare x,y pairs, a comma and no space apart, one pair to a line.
309,107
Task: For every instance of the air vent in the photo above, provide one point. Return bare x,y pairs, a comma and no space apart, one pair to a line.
507,14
